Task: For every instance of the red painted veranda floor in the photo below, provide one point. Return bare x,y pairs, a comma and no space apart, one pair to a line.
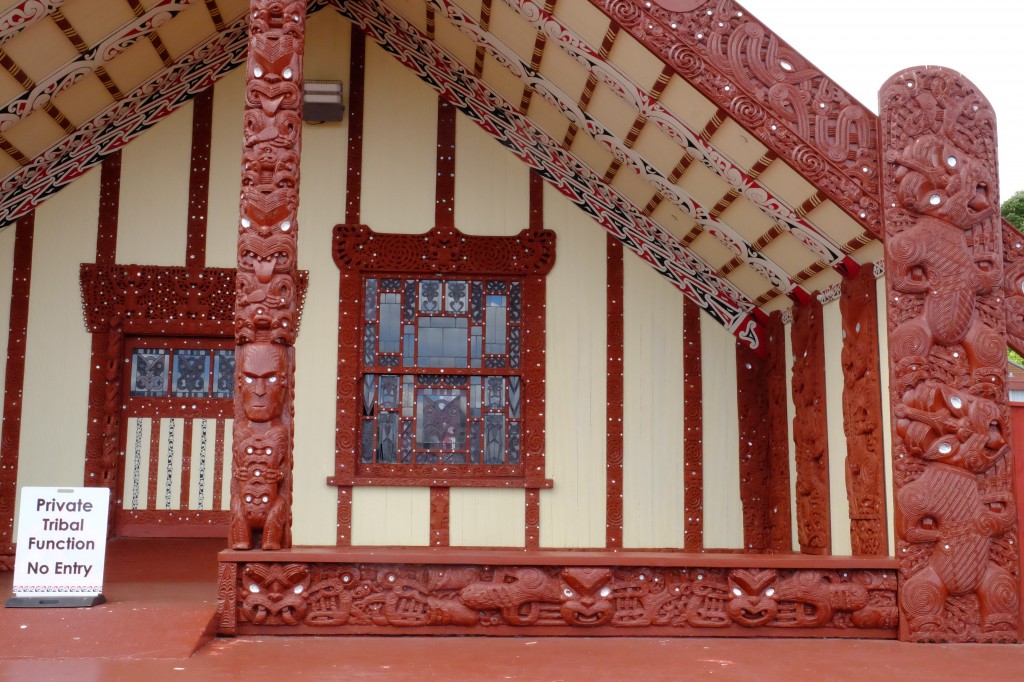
162,595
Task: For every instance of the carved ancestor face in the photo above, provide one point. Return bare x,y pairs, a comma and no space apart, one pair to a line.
953,427
275,593
937,179
752,597
586,596
263,383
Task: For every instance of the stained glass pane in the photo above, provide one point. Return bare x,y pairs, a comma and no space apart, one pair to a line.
456,298
388,391
407,441
494,439
514,395
223,373
409,301
496,334
514,346
369,343
387,437
477,301
495,393
367,442
441,419
149,372
369,382
515,310
474,442
390,323
430,296
513,443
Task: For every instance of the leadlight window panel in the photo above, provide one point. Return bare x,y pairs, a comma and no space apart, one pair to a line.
469,329
169,370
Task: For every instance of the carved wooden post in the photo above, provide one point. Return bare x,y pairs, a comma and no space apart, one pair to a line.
266,310
955,517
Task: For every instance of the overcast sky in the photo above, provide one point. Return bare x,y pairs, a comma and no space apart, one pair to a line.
861,44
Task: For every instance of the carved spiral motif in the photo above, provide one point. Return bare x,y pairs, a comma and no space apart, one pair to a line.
1001,593
809,161
625,12
687,62
748,111
921,598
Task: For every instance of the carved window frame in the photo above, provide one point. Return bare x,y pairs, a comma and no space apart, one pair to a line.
441,254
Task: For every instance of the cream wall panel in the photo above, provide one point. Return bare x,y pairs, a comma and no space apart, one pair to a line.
321,206
573,512
492,187
390,516
225,170
487,517
723,511
56,396
832,323
653,409
153,214
883,352
399,147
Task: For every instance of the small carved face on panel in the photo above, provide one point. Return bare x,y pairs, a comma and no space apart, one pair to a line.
275,593
587,596
953,427
263,382
752,597
937,179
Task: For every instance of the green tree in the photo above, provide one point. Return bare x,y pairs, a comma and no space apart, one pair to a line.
1013,210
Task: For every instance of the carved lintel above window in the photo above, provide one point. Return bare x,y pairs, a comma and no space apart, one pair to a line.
162,300
441,358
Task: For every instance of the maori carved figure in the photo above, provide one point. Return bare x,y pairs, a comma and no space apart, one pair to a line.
274,593
862,415
947,328
266,310
381,597
810,431
1013,284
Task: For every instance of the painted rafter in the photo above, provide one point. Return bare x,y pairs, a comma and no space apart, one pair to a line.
75,69
569,107
648,106
26,13
718,297
771,90
122,121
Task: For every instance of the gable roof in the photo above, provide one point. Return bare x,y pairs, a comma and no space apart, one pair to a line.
690,131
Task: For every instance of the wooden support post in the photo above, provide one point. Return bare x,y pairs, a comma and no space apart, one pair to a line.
956,525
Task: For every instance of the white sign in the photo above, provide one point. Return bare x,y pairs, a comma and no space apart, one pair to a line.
62,541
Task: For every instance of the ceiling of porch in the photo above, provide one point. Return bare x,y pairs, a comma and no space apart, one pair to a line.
693,133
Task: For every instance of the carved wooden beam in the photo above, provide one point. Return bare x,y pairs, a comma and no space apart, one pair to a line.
953,464
266,310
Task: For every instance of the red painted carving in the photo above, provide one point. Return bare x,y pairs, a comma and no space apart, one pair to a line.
266,308
764,442
1013,284
614,395
955,513
440,524
199,178
810,431
780,531
769,88
862,415
14,383
301,597
110,201
532,521
754,443
693,438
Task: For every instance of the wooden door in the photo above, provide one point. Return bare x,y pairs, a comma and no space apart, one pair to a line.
176,422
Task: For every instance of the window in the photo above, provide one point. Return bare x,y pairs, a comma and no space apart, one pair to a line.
455,396
441,358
